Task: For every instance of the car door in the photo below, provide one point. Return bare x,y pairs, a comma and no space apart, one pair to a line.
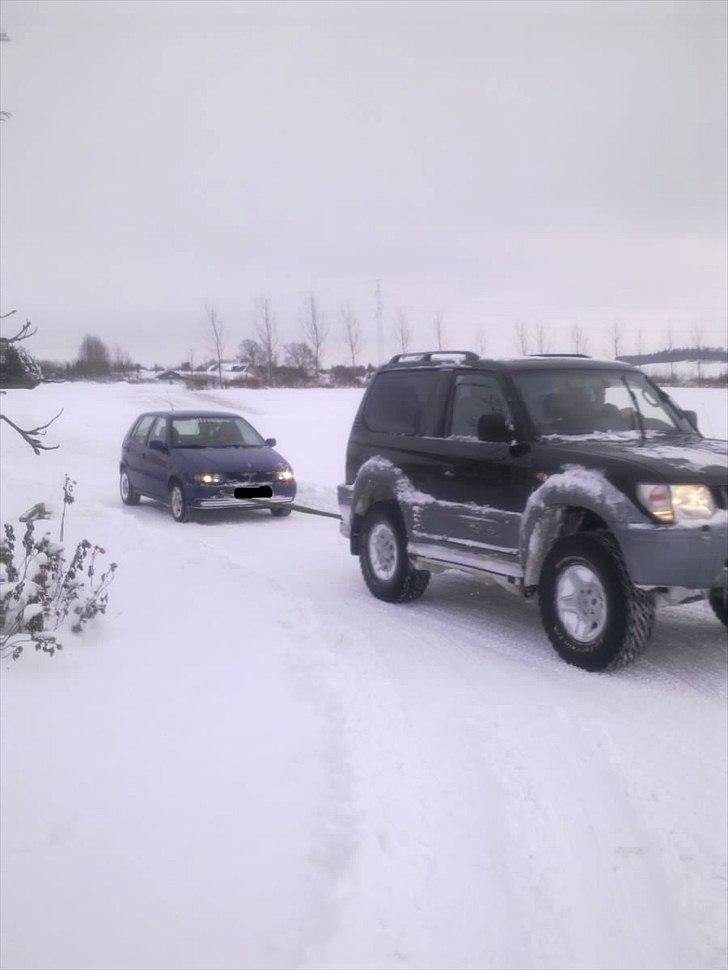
134,452
484,485
157,459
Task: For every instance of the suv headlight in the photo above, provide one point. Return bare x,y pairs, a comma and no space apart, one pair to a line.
285,474
208,478
677,503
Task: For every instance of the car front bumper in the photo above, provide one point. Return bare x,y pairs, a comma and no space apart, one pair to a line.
693,558
223,497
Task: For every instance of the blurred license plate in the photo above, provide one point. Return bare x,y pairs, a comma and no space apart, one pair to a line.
254,491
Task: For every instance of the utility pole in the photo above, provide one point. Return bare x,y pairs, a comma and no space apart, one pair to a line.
380,318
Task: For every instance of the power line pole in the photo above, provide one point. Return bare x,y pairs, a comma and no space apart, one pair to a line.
380,319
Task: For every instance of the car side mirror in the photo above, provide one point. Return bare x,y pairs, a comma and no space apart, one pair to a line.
692,418
271,442
493,427
157,445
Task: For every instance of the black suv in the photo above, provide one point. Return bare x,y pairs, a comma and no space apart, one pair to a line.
575,479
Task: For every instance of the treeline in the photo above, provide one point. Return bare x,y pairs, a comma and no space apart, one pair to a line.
675,355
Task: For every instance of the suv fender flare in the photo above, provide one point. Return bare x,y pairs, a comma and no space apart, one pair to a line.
379,482
557,507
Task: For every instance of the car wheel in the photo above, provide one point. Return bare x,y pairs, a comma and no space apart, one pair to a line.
178,503
129,495
281,513
717,600
593,614
384,562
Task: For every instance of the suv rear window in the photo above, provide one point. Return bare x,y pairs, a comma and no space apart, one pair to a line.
397,401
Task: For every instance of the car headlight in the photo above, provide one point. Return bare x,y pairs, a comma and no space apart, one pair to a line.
285,474
677,503
208,478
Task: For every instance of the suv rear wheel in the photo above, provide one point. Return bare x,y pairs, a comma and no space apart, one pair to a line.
593,614
383,559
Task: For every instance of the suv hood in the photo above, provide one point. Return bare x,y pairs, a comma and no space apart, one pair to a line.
661,458
228,460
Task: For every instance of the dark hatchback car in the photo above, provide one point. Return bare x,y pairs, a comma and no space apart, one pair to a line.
197,460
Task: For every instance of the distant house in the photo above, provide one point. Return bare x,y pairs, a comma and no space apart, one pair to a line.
17,367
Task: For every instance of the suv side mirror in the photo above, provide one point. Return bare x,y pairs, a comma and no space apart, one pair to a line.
493,427
271,442
157,445
692,418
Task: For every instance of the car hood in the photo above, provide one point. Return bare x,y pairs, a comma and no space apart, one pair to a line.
228,460
661,458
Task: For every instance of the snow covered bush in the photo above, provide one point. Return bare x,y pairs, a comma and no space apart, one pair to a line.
41,592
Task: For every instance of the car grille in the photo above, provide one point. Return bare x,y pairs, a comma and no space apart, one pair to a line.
246,477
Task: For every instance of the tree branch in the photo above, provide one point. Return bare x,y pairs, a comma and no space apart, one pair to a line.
33,435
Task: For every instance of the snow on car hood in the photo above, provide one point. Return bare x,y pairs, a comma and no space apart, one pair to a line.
660,455
228,460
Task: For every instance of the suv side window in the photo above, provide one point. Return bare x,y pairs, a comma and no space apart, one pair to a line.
139,434
159,431
398,400
475,395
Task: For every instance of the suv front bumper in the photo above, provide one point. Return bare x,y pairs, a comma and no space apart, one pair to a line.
694,558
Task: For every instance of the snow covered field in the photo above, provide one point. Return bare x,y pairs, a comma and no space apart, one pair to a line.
250,762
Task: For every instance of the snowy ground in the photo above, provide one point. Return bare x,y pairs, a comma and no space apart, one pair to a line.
250,762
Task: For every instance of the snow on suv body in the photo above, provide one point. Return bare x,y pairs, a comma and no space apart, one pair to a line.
575,479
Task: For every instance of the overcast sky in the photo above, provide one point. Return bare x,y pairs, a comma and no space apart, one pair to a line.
545,162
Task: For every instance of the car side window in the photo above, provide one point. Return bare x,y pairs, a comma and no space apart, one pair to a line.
140,432
397,401
159,431
475,395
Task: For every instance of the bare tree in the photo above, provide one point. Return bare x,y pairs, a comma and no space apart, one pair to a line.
542,338
615,338
670,345
251,353
265,330
32,436
300,356
698,334
481,341
352,334
121,362
216,338
640,342
438,325
315,329
522,337
579,340
402,331
94,359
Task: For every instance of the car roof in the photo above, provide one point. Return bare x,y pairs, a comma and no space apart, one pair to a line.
191,414
535,362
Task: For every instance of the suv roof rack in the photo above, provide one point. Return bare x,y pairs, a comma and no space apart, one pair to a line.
419,357
586,356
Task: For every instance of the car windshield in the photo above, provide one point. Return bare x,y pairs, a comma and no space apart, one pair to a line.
587,402
214,432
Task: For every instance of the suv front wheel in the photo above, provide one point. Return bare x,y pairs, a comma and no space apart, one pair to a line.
384,562
593,614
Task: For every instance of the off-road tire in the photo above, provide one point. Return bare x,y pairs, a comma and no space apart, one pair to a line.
129,495
407,583
630,612
280,513
717,602
181,513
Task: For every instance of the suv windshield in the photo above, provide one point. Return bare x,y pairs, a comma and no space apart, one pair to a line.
214,433
579,402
